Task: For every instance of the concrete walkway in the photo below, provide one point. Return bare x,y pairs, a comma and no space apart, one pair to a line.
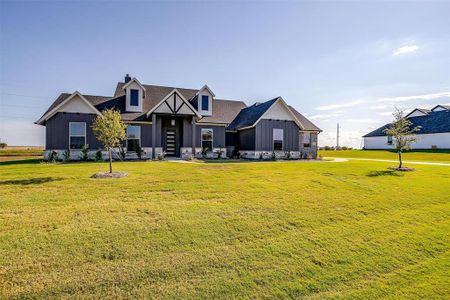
341,159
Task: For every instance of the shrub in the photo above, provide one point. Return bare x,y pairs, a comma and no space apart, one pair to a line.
52,156
139,151
274,156
3,145
122,153
205,152
85,153
66,155
98,155
190,157
162,155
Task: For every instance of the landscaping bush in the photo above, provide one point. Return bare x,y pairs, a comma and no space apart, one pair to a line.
66,155
85,153
98,155
52,156
139,151
3,145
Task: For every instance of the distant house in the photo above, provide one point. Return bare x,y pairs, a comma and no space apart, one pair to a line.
181,122
434,132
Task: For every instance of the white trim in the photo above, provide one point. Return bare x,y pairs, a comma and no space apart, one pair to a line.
212,138
85,138
440,106
205,87
140,136
55,110
131,81
273,139
211,124
182,98
138,122
417,109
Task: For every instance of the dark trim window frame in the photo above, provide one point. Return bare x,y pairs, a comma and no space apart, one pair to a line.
307,139
278,139
207,136
77,135
134,97
389,140
133,138
205,103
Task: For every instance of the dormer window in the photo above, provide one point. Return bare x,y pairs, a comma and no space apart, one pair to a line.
134,97
205,102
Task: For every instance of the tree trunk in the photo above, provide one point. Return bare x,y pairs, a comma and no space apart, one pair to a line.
400,159
110,160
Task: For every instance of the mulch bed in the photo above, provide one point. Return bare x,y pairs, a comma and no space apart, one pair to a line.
402,169
101,175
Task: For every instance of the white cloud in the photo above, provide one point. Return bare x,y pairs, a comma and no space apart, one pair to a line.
342,105
379,107
416,97
386,113
405,49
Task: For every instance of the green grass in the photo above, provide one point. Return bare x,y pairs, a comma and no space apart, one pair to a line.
247,230
431,155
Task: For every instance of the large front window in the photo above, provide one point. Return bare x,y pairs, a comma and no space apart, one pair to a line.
306,139
205,103
207,139
277,139
77,135
389,139
133,137
134,97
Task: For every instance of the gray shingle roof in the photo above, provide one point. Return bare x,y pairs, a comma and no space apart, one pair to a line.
307,124
433,122
249,115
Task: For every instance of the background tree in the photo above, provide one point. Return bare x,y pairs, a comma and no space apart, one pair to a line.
110,130
402,133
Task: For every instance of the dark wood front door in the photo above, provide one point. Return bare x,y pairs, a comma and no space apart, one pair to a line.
171,145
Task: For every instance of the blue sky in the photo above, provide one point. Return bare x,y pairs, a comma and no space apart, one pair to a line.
346,62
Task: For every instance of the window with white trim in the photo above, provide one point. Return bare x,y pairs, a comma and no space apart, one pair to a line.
277,139
307,137
389,139
207,139
133,137
205,103
77,135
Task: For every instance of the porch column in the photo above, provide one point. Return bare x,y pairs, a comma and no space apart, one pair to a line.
153,135
193,135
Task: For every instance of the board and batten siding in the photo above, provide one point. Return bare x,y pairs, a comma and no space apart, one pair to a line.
247,139
57,130
264,135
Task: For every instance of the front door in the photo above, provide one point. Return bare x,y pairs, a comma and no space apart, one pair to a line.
171,142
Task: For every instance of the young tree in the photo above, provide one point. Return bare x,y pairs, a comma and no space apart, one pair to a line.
401,133
110,130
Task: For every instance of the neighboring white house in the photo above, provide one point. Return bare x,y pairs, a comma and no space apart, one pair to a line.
434,132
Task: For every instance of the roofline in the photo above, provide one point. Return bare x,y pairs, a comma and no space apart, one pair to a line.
49,114
205,87
133,80
182,98
417,109
446,107
287,107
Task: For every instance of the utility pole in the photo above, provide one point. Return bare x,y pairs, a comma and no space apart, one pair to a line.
337,136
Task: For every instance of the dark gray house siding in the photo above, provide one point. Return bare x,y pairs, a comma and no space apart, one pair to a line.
218,135
57,130
247,139
146,134
264,135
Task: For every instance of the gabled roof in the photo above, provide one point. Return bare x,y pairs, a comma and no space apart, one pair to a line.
64,98
223,111
175,91
433,122
249,115
307,124
422,110
447,107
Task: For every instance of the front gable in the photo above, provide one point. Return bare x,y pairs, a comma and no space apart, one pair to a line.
75,103
280,111
174,103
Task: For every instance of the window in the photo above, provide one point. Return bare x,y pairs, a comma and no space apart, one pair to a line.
307,139
77,135
134,97
389,139
207,138
133,137
205,102
277,139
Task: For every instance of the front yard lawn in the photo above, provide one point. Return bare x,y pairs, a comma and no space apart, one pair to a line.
424,155
249,230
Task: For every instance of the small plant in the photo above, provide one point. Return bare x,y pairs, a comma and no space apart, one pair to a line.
66,155
162,155
219,152
139,151
261,156
205,152
122,153
52,156
85,152
274,155
3,145
190,157
288,155
98,155
308,156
